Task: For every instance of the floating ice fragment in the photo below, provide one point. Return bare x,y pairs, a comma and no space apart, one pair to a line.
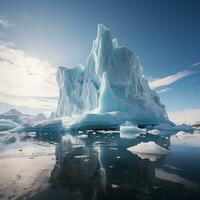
132,129
148,148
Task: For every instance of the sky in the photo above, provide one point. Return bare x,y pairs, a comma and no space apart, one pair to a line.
38,36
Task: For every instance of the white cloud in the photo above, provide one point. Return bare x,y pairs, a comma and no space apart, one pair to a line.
185,116
164,90
170,79
195,64
29,102
24,78
5,23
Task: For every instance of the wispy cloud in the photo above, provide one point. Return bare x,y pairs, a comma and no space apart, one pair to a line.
164,90
185,116
5,23
170,79
43,103
8,44
195,64
26,80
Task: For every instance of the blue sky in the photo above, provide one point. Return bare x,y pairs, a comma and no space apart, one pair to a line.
51,33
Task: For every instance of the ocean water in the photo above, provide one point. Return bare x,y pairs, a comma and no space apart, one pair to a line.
97,165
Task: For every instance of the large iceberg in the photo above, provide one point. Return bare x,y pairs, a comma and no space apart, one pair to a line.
111,81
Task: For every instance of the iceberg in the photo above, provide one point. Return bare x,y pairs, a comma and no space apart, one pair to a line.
148,148
154,132
50,126
111,81
96,121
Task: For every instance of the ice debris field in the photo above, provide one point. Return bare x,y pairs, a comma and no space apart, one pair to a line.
108,92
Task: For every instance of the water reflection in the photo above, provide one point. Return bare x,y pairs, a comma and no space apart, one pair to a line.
99,167
96,165
78,169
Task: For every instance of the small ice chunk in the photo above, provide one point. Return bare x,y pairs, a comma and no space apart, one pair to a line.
148,148
118,157
131,128
83,136
128,135
154,132
115,186
128,123
81,156
113,148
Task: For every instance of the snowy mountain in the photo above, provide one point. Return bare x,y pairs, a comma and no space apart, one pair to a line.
16,121
13,115
19,117
111,81
40,117
13,112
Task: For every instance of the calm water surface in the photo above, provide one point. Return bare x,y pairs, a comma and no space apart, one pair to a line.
97,165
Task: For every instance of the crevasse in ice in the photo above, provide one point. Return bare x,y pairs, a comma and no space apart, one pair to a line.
112,80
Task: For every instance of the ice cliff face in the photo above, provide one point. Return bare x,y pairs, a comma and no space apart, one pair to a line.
112,80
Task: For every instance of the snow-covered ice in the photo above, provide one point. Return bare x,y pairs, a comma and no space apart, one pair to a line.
111,81
51,126
148,148
154,132
128,135
129,127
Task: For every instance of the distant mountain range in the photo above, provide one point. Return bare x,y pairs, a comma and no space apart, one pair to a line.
19,117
